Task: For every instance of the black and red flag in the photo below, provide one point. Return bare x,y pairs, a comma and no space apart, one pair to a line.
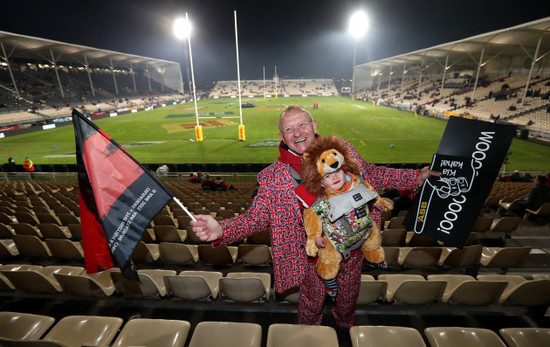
118,198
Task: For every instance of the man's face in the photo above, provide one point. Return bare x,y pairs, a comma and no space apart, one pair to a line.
297,130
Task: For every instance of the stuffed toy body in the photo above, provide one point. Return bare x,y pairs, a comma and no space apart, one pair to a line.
341,216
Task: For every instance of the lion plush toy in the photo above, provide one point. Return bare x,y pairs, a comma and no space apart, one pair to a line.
342,218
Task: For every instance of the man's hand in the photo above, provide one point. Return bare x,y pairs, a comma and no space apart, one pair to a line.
207,228
425,173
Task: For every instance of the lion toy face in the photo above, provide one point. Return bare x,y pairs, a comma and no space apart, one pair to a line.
326,155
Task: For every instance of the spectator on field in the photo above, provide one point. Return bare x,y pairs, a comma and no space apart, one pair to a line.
28,165
277,205
538,195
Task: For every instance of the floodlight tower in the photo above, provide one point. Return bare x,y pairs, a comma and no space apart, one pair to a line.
358,25
182,31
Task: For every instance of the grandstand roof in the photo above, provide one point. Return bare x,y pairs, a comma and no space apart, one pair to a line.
518,40
33,48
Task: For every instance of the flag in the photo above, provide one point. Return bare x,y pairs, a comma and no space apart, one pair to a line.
118,199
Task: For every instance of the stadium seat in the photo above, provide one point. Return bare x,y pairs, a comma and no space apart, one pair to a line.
284,335
505,225
153,333
227,334
150,284
526,337
460,337
522,292
254,254
466,290
419,256
393,336
392,255
48,218
543,211
504,258
76,331
261,237
31,246
412,289
26,217
8,248
37,279
394,237
54,231
246,286
6,231
169,233
26,229
194,285
68,218
421,240
178,253
460,258
146,252
371,290
222,255
290,295
482,224
23,326
65,249
98,284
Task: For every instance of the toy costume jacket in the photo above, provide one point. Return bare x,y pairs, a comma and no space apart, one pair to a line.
276,207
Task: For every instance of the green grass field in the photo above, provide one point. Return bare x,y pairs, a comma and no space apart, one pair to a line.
165,135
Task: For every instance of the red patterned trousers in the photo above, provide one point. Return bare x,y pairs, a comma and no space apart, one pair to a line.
312,294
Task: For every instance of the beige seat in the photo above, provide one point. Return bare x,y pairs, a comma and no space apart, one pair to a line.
75,331
31,246
26,229
6,231
37,279
460,258
412,289
420,240
482,224
371,290
153,333
65,249
164,220
7,219
23,326
254,254
392,255
146,252
169,233
505,257
460,337
8,248
466,290
48,218
98,284
225,214
150,284
178,253
526,337
54,231
285,335
394,237
76,232
290,295
419,256
522,292
194,285
26,217
544,210
505,225
390,336
246,286
395,223
227,334
222,255
68,218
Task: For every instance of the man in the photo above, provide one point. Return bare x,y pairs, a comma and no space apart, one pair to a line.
277,206
538,195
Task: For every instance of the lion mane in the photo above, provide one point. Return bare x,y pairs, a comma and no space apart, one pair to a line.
311,177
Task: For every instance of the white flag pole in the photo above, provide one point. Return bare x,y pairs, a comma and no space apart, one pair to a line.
238,69
184,209
192,74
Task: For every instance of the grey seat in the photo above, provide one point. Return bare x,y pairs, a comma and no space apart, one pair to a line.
153,333
227,334
390,336
23,326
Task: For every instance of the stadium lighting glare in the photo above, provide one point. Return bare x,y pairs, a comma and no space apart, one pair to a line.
182,28
358,24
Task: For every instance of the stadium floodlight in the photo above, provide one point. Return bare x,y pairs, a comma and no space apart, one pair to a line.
358,25
182,30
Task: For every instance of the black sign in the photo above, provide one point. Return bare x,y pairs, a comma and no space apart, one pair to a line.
469,157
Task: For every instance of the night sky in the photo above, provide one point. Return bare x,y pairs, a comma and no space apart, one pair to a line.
304,39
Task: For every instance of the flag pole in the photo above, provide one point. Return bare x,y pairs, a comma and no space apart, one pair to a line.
241,127
198,128
184,209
